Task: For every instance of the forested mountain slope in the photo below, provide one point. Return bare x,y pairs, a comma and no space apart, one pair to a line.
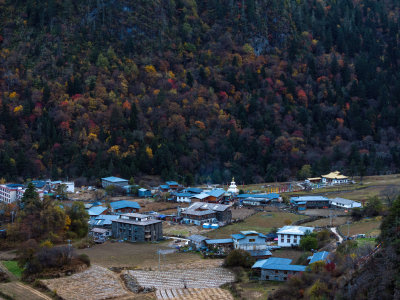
198,90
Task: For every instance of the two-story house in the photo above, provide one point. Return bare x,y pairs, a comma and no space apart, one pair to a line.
249,240
291,235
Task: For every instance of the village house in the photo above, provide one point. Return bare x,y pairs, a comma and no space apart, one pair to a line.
197,241
213,196
319,256
276,268
257,199
124,206
115,181
344,203
100,233
334,178
249,240
304,202
103,221
224,245
199,213
289,236
137,229
193,191
183,197
144,193
96,211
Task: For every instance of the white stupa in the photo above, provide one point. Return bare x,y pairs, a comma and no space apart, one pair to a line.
233,188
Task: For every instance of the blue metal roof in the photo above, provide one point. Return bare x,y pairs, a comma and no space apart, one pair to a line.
259,252
114,179
319,256
183,194
238,236
194,190
163,186
124,204
277,263
296,268
172,183
216,193
219,241
39,183
96,210
14,185
308,198
260,196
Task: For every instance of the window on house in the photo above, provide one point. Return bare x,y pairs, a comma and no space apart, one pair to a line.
276,271
252,240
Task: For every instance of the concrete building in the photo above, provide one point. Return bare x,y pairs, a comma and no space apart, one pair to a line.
249,240
291,235
344,203
137,230
310,202
199,213
144,193
116,181
11,192
276,268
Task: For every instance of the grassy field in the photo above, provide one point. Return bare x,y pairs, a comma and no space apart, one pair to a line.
13,267
135,255
366,241
262,222
337,221
369,227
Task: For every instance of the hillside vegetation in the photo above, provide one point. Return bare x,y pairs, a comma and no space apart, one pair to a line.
203,89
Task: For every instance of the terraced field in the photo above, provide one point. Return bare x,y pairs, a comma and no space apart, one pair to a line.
95,283
194,294
182,279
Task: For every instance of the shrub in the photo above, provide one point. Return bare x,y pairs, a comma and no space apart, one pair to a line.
308,242
85,259
239,258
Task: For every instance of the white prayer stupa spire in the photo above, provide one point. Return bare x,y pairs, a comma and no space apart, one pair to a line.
233,188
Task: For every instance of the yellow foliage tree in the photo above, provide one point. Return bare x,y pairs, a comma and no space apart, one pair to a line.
18,108
149,152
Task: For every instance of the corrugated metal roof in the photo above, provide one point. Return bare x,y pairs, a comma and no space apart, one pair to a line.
319,256
194,190
219,241
124,204
216,193
309,198
238,236
259,196
298,230
197,238
114,179
259,252
277,263
96,210
172,183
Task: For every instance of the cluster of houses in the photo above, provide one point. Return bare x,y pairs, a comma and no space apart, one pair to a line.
310,202
12,192
259,246
122,221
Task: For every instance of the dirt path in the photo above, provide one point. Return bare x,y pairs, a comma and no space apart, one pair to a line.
334,230
20,291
